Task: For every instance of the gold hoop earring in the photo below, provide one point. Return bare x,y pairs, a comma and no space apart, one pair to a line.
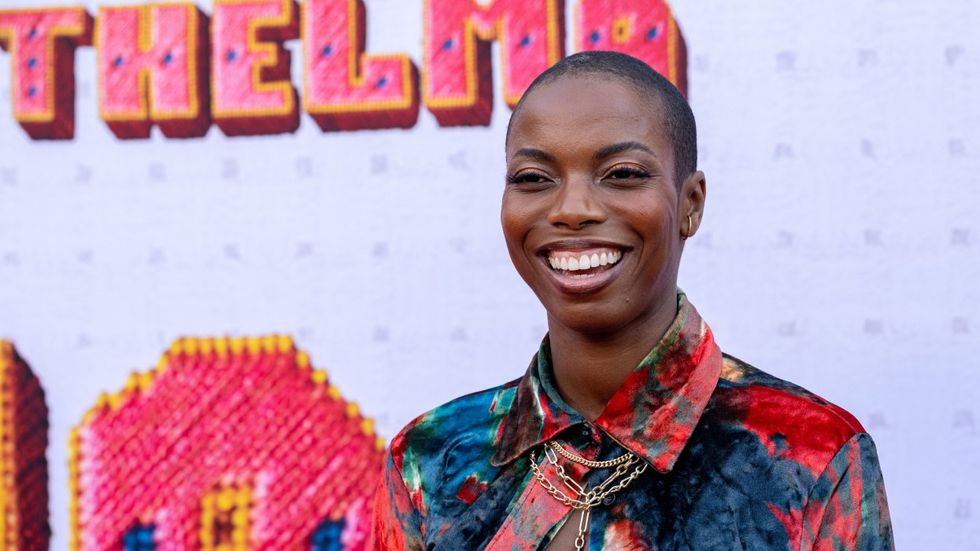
690,228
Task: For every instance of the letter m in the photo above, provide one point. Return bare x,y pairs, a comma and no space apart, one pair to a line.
456,80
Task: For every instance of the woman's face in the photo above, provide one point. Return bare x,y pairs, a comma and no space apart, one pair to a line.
591,214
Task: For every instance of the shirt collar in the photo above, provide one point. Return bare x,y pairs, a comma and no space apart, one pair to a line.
652,414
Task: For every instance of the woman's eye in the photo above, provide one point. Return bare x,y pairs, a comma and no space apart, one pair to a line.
625,173
526,178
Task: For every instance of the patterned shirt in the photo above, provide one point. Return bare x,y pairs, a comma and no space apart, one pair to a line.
738,459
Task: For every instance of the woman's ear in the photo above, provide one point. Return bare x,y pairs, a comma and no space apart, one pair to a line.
692,194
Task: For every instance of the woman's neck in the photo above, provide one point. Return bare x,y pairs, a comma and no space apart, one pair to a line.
588,369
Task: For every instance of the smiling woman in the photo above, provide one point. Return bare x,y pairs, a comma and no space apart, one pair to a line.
630,428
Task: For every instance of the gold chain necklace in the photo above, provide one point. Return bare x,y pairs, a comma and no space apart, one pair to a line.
582,499
587,462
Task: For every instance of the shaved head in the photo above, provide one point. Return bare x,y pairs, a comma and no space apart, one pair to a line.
679,126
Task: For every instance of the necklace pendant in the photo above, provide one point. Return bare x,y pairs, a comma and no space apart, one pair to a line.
583,499
583,529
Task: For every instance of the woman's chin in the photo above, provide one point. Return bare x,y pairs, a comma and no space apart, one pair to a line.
588,319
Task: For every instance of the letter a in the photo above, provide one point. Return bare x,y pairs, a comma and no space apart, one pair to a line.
645,29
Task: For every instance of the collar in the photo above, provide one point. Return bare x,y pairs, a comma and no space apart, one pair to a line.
652,414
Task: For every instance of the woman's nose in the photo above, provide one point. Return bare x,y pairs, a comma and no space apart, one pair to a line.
576,204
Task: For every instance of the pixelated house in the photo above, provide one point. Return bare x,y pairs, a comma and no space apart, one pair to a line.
228,444
23,467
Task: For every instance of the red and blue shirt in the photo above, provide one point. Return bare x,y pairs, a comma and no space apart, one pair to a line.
738,459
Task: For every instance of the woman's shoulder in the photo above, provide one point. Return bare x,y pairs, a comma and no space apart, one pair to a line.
469,422
789,418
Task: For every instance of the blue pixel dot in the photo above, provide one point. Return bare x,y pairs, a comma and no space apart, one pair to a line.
32,33
327,51
118,61
168,58
382,82
139,537
594,37
231,55
327,536
448,44
31,62
526,41
652,33
32,91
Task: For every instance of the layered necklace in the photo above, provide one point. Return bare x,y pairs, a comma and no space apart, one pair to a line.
582,499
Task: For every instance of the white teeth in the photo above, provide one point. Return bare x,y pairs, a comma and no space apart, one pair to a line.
583,262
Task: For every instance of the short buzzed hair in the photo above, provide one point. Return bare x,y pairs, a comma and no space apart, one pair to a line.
678,118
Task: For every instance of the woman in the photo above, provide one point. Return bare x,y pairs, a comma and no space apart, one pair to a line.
630,429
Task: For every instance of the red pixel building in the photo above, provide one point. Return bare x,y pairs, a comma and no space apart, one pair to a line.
228,444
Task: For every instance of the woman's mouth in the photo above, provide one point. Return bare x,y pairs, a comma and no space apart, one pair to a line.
583,262
583,270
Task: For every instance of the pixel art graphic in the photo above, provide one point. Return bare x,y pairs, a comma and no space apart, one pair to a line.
229,443
332,170
23,466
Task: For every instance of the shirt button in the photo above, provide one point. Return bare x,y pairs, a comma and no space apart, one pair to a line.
586,431
609,500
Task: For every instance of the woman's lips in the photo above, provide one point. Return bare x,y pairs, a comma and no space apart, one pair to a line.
581,260
583,270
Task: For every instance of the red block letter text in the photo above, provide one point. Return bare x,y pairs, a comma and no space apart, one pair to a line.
42,44
152,69
344,88
645,29
251,92
456,79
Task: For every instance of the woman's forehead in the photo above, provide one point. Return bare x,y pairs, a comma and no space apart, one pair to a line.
577,107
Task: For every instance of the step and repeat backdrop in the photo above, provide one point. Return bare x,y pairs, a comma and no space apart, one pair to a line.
243,242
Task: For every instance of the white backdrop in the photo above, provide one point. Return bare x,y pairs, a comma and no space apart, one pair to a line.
841,246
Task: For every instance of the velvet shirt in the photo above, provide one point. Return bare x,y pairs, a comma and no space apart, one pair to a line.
738,459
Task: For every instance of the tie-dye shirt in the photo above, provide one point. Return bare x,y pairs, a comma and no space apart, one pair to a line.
738,459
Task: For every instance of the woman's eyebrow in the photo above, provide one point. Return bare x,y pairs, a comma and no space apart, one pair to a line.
534,154
613,149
